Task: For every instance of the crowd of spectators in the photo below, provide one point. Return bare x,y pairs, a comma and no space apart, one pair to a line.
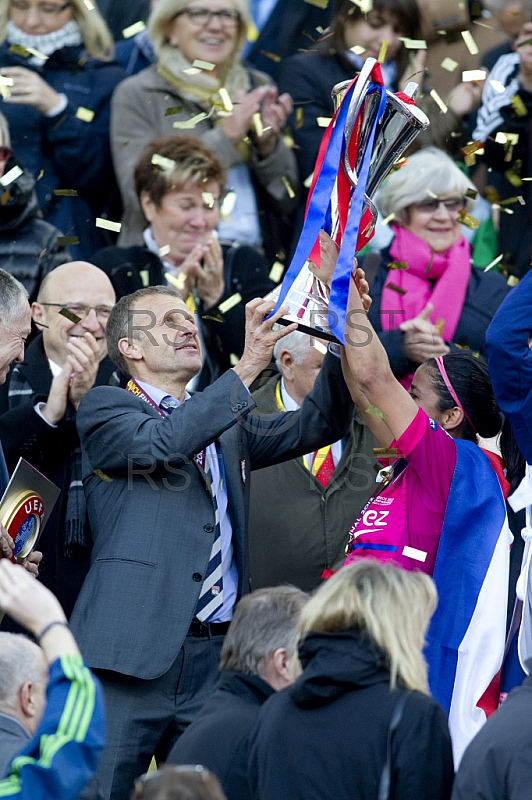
349,620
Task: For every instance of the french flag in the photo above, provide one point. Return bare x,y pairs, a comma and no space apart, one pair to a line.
466,637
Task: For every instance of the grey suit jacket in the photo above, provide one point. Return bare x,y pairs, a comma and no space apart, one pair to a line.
152,515
13,738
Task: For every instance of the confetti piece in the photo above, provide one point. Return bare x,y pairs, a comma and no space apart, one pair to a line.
503,208
65,192
228,206
431,194
494,262
518,106
395,288
467,220
508,201
233,359
397,265
177,281
299,118
4,91
145,277
388,219
276,272
209,66
288,187
102,476
307,183
385,452
5,197
513,177
189,124
230,303
381,58
521,200
11,176
439,102
525,43
513,280
318,3
271,56
191,71
19,50
166,164
208,198
440,325
89,5
69,315
474,75
132,30
226,99
173,110
358,49
108,225
256,124
472,147
506,138
37,53
497,86
375,412
64,241
470,43
85,114
471,193
41,173
5,81
164,250
414,553
414,44
319,346
449,64
323,122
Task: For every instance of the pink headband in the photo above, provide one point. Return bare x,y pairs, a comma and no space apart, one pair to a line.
443,373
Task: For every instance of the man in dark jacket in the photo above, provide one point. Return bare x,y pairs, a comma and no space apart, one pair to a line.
258,658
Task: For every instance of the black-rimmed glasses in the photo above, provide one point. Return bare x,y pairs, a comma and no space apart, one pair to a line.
200,17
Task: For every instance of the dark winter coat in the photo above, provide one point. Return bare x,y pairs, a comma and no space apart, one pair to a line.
219,736
325,736
71,153
29,246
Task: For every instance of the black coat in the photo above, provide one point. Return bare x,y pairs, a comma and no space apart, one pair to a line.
245,273
325,736
219,736
497,765
485,292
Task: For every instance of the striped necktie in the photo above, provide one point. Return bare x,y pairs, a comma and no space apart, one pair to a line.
212,594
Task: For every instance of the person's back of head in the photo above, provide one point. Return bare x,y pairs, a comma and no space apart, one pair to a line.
23,678
179,782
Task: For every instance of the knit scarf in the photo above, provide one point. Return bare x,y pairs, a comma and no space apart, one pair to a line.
67,36
438,278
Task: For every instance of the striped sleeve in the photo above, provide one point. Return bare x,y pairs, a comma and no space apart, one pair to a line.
503,75
63,755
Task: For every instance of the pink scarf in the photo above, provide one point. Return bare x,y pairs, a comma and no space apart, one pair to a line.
444,284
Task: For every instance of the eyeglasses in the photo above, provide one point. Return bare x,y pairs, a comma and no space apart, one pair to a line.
202,16
82,311
5,153
46,10
452,204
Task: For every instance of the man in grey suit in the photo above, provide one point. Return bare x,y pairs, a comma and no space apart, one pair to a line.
167,484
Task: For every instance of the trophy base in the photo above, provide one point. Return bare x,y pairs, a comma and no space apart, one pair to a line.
318,333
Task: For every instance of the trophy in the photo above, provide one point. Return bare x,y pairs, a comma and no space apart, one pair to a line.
371,128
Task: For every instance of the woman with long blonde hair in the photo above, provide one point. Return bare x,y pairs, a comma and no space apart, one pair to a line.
359,719
55,55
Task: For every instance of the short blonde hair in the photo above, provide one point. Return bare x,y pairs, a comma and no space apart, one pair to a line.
97,37
427,172
392,605
165,11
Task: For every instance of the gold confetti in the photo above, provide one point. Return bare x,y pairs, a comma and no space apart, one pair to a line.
164,250
85,114
276,272
145,277
64,241
288,187
37,53
381,58
506,138
323,122
440,325
208,199
470,42
191,71
497,86
439,102
299,118
503,208
414,44
397,265
474,75
256,124
395,288
41,173
494,262
89,5
108,225
512,281
357,49
230,303
431,194
385,452
226,99
69,315
472,147
65,192
19,50
521,200
207,65
5,81
166,164
307,183
467,220
102,476
388,219
189,124
271,56
518,106
4,92
173,110
375,412
525,43
177,281
318,3
509,201
449,64
5,197
319,346
132,30
228,206
11,176
233,359
512,175
471,193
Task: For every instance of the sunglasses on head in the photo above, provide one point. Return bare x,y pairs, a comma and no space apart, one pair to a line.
5,153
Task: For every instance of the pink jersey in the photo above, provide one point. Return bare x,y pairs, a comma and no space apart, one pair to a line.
403,523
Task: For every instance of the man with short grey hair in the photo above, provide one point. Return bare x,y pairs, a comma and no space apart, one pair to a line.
258,658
